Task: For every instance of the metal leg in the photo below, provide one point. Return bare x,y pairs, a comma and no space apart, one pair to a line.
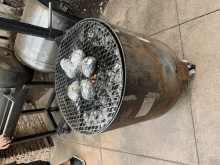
51,99
60,126
57,129
50,116
33,137
66,130
35,111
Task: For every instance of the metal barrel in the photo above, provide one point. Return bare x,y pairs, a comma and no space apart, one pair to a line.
154,77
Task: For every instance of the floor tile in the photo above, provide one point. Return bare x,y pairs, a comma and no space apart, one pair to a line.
64,151
170,137
201,40
73,136
118,158
171,38
190,9
42,102
87,9
143,16
205,105
79,138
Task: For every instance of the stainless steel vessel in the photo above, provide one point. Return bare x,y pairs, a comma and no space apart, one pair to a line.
35,52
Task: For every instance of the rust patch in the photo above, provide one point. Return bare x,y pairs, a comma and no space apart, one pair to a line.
5,66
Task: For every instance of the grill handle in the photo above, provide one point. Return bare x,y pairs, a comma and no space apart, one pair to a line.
28,29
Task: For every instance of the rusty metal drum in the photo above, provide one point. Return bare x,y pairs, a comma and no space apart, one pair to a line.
136,79
154,76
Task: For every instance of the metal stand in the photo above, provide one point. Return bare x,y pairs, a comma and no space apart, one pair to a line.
14,104
48,110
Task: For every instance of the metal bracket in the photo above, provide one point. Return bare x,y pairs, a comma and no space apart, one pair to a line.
191,68
13,100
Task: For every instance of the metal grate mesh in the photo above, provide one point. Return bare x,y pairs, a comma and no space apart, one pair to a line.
96,40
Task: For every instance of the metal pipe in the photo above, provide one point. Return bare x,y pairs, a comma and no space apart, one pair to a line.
51,99
33,137
60,126
28,29
33,111
36,111
50,16
39,85
48,106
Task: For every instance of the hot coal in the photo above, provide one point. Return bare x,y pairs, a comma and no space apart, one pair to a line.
69,68
74,91
88,66
87,89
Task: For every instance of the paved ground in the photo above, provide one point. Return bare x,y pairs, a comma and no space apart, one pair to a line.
189,133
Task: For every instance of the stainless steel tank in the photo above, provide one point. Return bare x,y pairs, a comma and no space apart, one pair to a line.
38,53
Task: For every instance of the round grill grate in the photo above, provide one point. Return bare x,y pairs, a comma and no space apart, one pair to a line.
96,39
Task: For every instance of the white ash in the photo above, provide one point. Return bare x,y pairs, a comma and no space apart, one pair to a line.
97,118
87,89
81,34
101,40
69,68
102,117
90,34
116,67
116,52
107,41
77,56
74,91
88,66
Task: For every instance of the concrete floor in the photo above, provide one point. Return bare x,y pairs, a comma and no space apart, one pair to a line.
189,133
